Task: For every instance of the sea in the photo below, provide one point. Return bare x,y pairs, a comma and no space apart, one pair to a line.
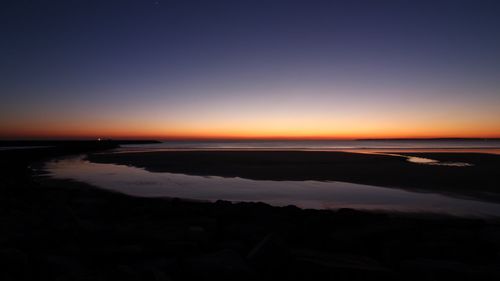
492,145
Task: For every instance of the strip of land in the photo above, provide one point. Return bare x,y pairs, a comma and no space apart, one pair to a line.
477,181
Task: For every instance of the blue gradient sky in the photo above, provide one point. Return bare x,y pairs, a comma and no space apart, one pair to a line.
198,69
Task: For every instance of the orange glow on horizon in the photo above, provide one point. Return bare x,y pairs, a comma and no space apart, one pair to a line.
155,135
258,128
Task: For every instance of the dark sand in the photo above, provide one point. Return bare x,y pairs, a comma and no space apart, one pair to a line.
478,181
63,230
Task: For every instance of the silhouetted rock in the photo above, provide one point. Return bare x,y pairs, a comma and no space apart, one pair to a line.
491,235
222,265
270,256
64,230
318,264
424,269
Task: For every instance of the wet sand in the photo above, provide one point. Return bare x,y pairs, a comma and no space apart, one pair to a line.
477,181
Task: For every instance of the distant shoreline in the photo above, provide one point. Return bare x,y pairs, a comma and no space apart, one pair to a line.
431,139
45,142
319,139
8,143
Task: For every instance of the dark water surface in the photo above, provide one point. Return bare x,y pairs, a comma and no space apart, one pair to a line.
305,194
485,146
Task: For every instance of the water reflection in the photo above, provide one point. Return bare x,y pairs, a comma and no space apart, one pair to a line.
491,146
306,194
426,161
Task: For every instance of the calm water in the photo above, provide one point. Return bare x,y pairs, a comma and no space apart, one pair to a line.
306,194
392,145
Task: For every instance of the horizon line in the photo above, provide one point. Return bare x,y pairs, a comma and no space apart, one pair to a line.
163,139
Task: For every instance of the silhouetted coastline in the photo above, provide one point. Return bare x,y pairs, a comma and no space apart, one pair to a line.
72,143
430,139
64,230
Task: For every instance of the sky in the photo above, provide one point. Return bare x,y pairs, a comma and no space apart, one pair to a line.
249,69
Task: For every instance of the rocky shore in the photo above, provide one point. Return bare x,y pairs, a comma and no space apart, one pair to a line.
63,230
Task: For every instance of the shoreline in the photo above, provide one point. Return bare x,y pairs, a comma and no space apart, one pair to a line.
478,181
65,230
312,194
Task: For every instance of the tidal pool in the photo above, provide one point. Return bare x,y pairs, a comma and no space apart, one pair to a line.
305,194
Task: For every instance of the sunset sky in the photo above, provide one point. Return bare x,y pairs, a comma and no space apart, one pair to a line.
249,69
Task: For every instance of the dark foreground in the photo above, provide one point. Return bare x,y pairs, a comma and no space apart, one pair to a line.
61,230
